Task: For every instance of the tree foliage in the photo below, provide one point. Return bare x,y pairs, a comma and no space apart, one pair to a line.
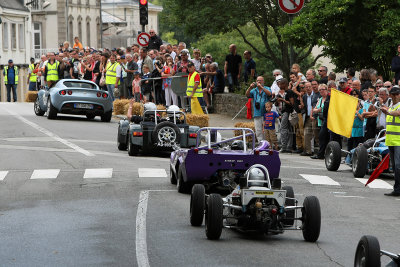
201,17
355,33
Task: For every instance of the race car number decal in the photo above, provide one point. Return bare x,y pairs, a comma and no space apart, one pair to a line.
264,193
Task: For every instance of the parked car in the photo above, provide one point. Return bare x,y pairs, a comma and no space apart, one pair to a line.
77,97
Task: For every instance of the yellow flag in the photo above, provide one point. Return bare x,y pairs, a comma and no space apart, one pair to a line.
341,113
195,106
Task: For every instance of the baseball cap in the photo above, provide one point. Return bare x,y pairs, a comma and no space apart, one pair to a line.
10,61
279,77
343,80
208,55
114,49
190,64
395,90
185,52
123,57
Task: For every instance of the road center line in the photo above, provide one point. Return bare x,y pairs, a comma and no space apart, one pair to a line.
50,134
141,240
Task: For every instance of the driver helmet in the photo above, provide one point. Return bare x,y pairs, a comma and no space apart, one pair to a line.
173,108
255,174
150,106
237,145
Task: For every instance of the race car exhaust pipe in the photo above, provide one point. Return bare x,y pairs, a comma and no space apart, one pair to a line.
233,206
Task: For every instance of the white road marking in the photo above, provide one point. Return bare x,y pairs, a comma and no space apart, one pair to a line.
36,148
50,134
3,175
150,172
98,173
377,183
350,196
319,179
299,167
49,139
45,174
141,239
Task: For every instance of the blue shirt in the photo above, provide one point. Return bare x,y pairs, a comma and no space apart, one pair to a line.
358,126
10,75
269,120
248,66
259,98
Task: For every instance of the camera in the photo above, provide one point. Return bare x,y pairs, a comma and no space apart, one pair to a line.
257,105
273,100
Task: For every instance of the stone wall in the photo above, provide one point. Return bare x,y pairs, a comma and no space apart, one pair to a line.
230,104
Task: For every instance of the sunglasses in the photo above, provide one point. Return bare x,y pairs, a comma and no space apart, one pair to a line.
387,86
320,70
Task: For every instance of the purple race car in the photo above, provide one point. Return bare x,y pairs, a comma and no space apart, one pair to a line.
218,164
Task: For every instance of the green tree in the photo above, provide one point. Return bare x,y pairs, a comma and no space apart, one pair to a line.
221,16
354,33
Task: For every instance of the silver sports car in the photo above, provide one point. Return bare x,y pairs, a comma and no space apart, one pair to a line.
78,97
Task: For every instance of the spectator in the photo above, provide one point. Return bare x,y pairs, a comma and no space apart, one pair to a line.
96,68
365,79
135,48
249,67
309,98
32,75
113,75
373,75
11,78
66,46
194,88
233,68
157,83
357,133
87,68
197,59
146,85
182,65
52,69
155,42
388,85
383,101
331,85
123,90
260,95
297,71
77,44
323,74
331,76
75,62
396,66
310,75
131,68
269,125
321,115
343,86
136,86
277,76
146,60
350,73
167,72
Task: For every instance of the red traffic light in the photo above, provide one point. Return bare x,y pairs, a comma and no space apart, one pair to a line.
143,2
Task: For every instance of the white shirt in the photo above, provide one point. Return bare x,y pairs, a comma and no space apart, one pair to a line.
382,116
275,88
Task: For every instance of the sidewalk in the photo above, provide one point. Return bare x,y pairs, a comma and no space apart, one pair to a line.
219,120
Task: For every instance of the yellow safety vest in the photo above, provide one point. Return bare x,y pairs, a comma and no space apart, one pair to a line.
6,76
190,86
33,77
52,71
393,128
111,73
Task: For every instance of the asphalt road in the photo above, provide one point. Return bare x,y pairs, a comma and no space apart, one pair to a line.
68,197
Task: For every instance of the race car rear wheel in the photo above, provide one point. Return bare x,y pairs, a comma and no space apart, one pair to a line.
106,117
360,162
121,146
37,109
51,110
133,150
172,176
333,156
166,133
214,217
197,203
311,219
290,214
182,186
368,252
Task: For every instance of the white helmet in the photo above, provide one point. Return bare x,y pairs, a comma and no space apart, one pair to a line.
173,108
255,174
150,106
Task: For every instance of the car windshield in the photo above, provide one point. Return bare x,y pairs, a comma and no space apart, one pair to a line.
80,84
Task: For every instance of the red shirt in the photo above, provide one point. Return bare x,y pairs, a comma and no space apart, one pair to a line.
347,90
196,78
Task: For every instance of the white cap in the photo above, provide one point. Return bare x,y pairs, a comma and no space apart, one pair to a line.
278,77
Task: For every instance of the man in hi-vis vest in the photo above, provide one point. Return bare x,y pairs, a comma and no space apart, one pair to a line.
393,137
194,90
32,75
10,73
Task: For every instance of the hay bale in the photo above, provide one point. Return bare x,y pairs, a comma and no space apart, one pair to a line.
244,125
119,106
197,120
31,96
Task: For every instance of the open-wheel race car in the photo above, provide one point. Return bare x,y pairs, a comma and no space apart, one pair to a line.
368,254
153,132
363,159
255,205
218,163
77,97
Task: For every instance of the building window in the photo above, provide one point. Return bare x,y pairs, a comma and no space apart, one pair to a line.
13,36
37,39
21,36
71,32
98,33
80,30
5,36
88,33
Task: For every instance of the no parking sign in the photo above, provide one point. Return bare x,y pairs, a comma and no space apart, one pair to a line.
291,6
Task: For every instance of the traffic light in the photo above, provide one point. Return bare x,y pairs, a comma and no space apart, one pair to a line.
143,11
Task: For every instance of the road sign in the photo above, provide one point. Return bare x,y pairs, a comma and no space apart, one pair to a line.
291,6
143,39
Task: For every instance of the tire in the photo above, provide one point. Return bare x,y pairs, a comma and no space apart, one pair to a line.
333,156
133,150
368,253
311,219
37,109
360,162
172,176
182,186
121,146
214,217
290,214
166,132
197,205
106,117
90,116
51,110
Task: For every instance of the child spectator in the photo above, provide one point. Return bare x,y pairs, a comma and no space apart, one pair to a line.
146,85
136,86
269,125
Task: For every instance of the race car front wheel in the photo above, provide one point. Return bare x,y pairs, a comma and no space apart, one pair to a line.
37,109
333,156
214,211
197,203
368,252
51,110
311,219
182,186
360,162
